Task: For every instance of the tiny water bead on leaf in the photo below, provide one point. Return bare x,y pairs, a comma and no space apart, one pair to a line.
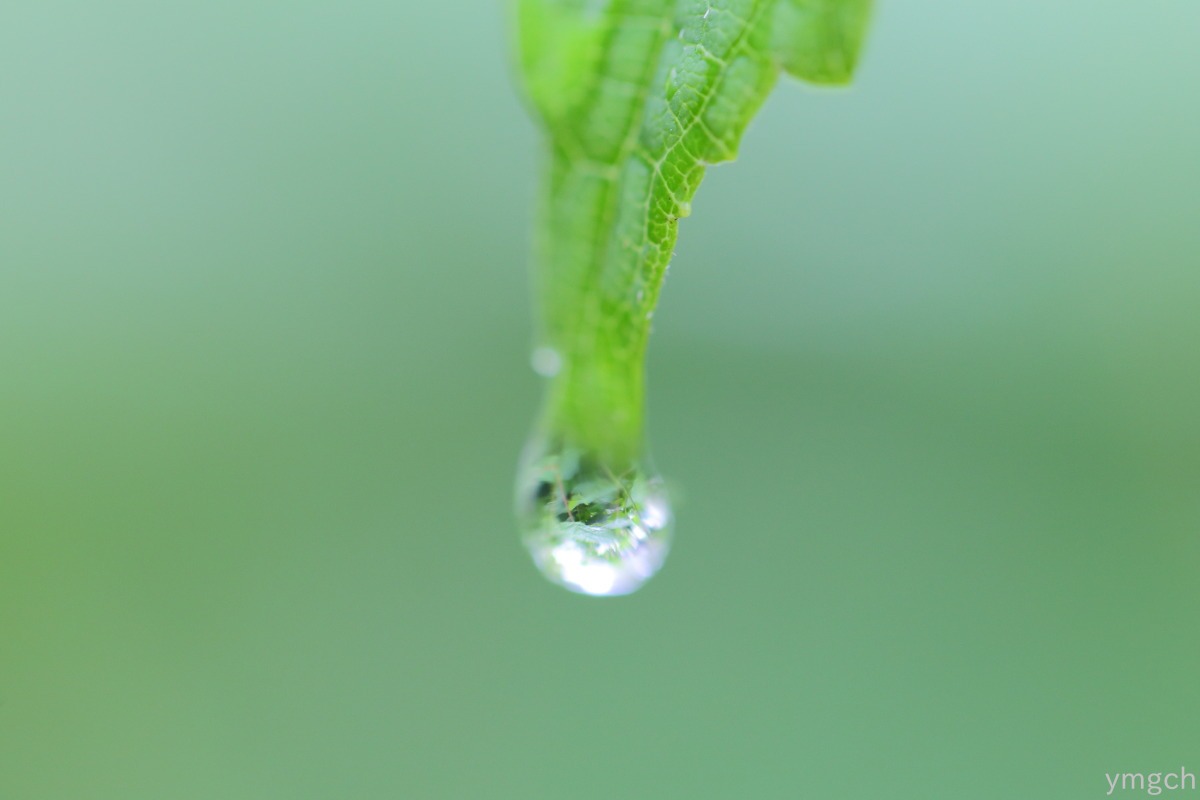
588,527
636,99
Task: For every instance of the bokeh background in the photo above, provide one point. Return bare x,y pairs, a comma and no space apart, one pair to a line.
926,379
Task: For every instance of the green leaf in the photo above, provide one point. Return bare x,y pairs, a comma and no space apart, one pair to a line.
819,40
637,98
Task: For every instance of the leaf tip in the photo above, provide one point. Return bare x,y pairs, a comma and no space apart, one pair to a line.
819,41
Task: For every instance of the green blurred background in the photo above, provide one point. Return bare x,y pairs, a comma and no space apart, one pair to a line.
926,378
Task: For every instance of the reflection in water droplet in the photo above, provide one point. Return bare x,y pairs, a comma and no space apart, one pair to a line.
590,528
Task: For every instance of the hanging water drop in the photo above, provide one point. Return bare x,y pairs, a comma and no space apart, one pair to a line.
589,526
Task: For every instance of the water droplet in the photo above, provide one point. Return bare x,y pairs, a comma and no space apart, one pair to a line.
546,361
588,527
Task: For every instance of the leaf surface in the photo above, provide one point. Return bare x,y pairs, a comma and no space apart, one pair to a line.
637,98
